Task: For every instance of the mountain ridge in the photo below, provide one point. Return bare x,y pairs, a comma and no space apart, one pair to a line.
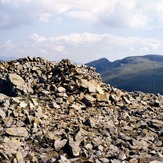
103,64
134,73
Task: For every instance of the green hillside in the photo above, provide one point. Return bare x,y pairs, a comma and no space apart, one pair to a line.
138,73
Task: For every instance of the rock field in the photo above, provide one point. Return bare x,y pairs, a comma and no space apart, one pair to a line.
58,112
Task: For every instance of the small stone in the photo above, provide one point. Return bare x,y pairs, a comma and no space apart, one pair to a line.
59,144
160,155
113,150
89,100
133,160
31,105
92,87
121,156
23,104
102,97
84,83
127,101
115,161
61,89
20,124
59,100
2,114
71,99
89,146
19,157
54,105
11,144
104,160
71,88
3,96
101,148
63,159
8,121
72,148
19,131
34,101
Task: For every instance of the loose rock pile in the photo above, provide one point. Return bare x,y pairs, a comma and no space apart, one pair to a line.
61,112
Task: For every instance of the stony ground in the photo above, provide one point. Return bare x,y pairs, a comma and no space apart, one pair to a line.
60,112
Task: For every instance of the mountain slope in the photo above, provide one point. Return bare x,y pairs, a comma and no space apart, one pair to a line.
101,64
138,73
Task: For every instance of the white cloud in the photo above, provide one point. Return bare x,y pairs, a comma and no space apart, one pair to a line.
8,45
15,3
113,13
127,13
84,47
88,46
37,38
84,38
44,17
4,19
158,11
62,18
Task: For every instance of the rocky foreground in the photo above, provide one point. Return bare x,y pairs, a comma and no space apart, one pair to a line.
60,112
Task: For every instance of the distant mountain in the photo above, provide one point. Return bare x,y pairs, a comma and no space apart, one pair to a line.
137,73
3,58
100,65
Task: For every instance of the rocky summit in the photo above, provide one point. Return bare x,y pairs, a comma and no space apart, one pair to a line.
59,112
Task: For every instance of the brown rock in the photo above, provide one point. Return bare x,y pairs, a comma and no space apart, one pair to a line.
19,157
18,85
2,114
133,160
89,100
102,97
59,144
63,159
72,148
61,89
19,131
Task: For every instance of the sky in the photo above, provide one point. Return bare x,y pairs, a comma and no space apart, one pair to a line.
81,30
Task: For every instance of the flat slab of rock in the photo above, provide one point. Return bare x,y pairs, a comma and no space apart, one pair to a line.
102,97
19,157
18,85
89,100
59,144
19,131
2,114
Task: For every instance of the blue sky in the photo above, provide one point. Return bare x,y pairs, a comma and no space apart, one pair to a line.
82,30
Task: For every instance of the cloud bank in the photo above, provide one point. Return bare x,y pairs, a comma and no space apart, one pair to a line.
117,13
81,30
86,46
